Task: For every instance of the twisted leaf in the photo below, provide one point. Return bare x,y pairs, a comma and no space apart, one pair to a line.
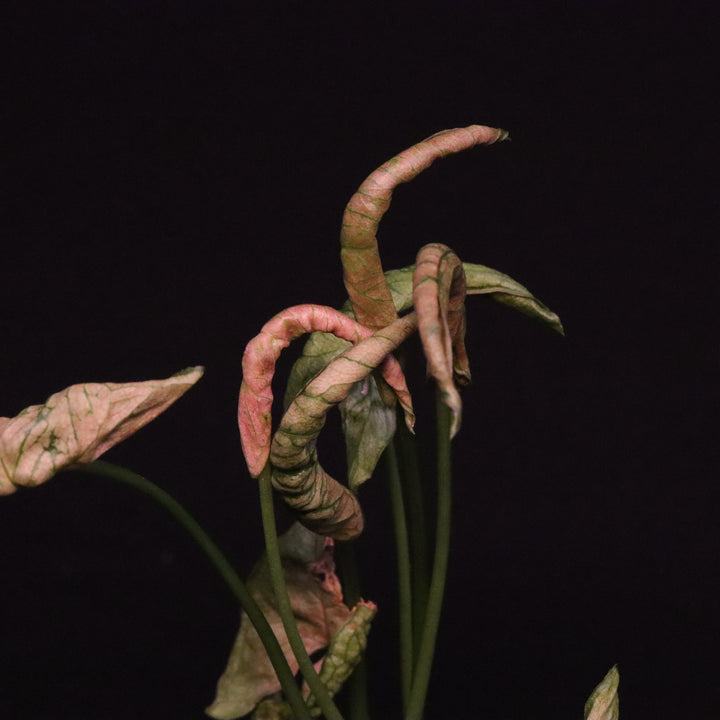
259,360
316,599
438,295
321,348
346,650
322,503
79,424
364,279
604,702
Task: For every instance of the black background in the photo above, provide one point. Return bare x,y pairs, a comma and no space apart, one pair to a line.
177,175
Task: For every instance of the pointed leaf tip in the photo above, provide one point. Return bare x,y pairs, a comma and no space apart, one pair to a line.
604,702
80,423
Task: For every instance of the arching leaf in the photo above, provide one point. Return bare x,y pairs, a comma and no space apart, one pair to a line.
259,360
438,296
321,502
362,268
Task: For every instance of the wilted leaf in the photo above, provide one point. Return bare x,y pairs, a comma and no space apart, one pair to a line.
368,426
604,702
322,503
316,599
79,424
438,296
362,268
321,348
261,354
346,650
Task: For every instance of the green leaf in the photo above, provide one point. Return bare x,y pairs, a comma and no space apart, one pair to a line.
369,426
346,650
604,702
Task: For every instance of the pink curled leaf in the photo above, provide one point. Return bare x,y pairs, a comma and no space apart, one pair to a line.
438,295
364,278
321,502
79,424
261,354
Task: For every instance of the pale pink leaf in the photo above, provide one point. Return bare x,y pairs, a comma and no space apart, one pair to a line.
364,278
438,295
261,354
79,424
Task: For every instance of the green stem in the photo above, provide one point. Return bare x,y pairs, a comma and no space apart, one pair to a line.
442,551
357,693
272,549
221,564
403,566
413,493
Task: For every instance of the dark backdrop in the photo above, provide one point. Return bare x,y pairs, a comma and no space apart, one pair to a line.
177,175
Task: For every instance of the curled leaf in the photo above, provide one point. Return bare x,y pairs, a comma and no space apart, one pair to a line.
321,348
346,650
604,701
438,296
79,424
259,360
322,503
316,599
364,279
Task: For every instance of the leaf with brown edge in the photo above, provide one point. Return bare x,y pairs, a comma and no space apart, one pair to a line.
364,279
604,701
438,296
79,424
321,502
317,602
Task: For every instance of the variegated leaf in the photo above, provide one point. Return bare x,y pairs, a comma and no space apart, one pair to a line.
79,424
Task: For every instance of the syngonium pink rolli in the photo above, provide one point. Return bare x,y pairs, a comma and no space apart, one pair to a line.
77,425
339,361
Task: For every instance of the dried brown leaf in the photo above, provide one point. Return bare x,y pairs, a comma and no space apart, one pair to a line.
317,603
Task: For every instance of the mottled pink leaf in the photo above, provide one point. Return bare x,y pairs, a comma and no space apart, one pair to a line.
79,424
438,295
364,278
261,354
321,502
